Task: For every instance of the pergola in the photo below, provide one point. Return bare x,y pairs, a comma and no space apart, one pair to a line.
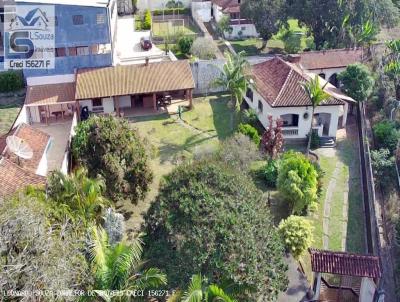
45,96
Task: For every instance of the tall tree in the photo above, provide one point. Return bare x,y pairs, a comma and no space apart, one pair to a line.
267,16
234,77
109,148
316,95
392,64
357,81
211,219
119,266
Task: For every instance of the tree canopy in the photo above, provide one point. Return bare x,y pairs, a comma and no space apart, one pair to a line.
267,16
211,219
298,181
109,148
357,81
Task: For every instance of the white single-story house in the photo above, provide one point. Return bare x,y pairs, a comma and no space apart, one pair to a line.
241,27
277,92
329,63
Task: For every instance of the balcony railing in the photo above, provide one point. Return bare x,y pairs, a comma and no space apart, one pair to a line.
290,131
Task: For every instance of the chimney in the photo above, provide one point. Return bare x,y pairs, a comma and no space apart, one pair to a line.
293,58
146,61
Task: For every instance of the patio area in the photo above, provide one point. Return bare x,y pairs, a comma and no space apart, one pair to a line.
170,109
59,136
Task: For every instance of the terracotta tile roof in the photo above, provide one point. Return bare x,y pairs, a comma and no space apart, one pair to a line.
342,263
333,58
50,94
14,178
279,83
36,139
134,79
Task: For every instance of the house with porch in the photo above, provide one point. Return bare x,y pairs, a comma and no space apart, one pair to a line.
343,276
329,63
276,91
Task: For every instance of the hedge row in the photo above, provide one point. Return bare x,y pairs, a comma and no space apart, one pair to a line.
172,11
11,81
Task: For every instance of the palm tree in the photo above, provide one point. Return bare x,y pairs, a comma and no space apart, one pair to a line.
234,77
199,291
77,196
317,95
392,64
119,267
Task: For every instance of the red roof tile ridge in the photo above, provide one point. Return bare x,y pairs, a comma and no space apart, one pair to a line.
283,86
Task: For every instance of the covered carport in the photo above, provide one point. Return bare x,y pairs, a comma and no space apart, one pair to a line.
113,90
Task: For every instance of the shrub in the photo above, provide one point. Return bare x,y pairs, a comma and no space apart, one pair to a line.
109,148
386,135
297,234
239,151
249,116
357,81
297,182
320,176
383,165
271,172
185,43
11,81
251,132
211,219
203,48
146,24
272,139
171,11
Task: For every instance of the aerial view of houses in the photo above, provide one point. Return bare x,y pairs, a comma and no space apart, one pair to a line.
194,150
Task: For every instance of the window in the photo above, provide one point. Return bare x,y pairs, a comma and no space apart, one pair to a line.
82,51
61,52
77,19
100,19
243,28
97,102
290,120
72,51
260,106
249,94
235,16
94,49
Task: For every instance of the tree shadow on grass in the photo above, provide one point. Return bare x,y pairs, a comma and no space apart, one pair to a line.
169,152
225,119
347,151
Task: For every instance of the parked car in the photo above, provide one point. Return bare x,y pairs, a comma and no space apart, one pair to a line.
146,43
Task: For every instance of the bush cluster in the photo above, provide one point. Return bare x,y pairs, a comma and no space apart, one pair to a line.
185,44
11,81
251,132
386,135
271,172
146,22
172,11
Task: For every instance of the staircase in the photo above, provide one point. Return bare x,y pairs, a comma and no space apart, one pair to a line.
327,142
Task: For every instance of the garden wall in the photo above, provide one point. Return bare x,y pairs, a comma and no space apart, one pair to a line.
204,73
157,4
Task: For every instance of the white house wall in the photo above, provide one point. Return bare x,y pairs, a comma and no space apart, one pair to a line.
87,103
34,114
108,105
42,167
246,30
125,101
328,71
202,10
22,117
304,125
217,10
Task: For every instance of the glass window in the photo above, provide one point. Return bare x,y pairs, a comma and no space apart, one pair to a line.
77,19
72,51
97,102
100,19
61,52
249,94
82,51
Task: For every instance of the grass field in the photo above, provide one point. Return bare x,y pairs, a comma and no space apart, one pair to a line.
274,45
171,28
7,116
172,143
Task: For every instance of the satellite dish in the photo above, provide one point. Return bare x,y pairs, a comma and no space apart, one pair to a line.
19,147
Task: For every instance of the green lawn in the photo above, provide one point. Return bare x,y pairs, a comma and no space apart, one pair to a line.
175,49
172,142
274,45
168,29
7,116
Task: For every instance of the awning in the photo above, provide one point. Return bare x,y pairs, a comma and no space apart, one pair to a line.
52,94
133,79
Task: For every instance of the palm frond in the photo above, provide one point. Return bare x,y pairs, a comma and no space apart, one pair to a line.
195,290
151,278
217,294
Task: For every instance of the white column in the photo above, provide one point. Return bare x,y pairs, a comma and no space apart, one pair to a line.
346,111
316,286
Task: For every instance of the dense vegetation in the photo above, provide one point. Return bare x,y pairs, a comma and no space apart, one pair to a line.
107,146
209,202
